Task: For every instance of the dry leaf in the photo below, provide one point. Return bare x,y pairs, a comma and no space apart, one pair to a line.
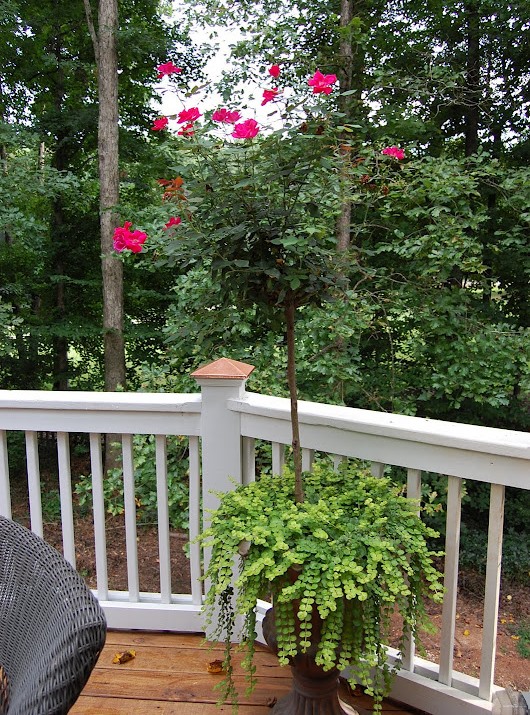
271,701
216,667
124,657
466,632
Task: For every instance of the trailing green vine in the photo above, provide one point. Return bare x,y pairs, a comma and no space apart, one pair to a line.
354,552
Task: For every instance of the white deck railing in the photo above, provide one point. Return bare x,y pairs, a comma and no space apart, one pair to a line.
222,424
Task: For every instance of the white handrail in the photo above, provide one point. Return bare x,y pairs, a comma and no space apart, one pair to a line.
223,425
485,454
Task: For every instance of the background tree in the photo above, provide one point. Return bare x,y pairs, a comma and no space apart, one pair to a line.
50,84
106,53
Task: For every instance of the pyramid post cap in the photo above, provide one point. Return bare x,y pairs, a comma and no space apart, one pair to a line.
224,369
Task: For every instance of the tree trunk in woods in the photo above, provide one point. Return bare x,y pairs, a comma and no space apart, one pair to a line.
106,52
61,162
472,108
107,58
60,342
104,40
345,83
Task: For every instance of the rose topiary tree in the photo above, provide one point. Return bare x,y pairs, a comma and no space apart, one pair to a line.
258,207
337,550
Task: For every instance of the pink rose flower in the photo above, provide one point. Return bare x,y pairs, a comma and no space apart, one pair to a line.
321,83
187,130
246,130
166,69
269,95
173,221
188,115
394,151
226,116
159,124
126,240
274,71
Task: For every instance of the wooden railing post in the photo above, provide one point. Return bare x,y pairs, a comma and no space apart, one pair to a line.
221,444
221,441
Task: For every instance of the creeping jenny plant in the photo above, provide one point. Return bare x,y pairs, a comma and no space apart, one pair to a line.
358,550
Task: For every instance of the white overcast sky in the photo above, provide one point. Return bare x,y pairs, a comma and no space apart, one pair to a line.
208,100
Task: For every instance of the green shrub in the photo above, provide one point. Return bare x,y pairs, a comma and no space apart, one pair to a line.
145,483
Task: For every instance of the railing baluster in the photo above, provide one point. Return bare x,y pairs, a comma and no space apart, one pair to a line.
163,518
414,484
308,456
98,506
452,545
491,599
413,492
5,491
65,490
195,520
130,518
278,457
35,503
337,461
377,469
249,460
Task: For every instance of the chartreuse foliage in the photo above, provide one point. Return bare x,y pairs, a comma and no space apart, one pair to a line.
354,551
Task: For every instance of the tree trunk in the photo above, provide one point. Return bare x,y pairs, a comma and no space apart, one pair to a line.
106,53
61,162
109,194
60,342
472,107
345,83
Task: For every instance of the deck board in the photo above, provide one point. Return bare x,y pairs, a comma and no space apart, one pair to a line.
169,676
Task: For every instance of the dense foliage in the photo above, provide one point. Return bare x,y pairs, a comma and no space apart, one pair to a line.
354,551
434,308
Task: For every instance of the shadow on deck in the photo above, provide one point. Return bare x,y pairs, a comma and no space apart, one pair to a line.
169,676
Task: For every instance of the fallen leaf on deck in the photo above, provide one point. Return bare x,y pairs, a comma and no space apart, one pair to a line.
124,657
216,667
271,702
466,632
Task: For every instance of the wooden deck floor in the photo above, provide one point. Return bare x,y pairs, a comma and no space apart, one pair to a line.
169,676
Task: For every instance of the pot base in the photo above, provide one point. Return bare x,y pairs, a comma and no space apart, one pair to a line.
314,690
312,694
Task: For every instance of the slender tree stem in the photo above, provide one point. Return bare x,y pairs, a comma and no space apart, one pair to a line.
290,310
92,29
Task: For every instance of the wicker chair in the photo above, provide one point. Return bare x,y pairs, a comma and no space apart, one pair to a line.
52,629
